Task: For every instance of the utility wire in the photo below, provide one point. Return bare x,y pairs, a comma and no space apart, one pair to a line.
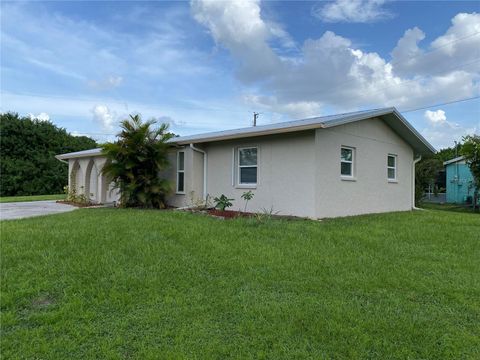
441,104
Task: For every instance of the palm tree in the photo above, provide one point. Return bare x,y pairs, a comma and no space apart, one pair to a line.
135,162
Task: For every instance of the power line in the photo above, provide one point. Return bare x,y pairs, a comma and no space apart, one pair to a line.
441,104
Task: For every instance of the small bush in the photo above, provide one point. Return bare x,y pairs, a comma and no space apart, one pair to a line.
222,202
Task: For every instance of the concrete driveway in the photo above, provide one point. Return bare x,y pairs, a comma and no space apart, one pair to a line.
19,210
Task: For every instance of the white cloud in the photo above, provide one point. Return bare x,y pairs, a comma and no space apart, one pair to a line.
90,52
353,11
104,116
40,117
76,133
330,72
238,26
442,132
435,118
185,121
458,47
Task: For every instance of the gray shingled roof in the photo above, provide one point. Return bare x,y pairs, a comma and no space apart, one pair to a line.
390,115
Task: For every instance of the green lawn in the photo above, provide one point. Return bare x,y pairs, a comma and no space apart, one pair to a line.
449,207
132,284
5,199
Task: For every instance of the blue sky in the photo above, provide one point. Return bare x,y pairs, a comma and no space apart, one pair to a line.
207,65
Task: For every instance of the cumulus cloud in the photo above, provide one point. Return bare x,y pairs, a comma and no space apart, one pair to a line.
436,117
238,26
458,47
354,11
442,132
104,116
40,117
331,72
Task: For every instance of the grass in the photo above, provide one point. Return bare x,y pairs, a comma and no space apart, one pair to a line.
5,199
124,284
449,207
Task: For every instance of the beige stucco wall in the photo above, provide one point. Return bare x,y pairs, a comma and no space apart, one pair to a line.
299,173
193,193
285,178
371,192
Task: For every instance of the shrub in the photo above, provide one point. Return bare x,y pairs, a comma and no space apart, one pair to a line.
222,202
135,161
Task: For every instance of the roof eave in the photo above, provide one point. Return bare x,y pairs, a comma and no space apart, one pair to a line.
249,134
79,154
419,136
454,160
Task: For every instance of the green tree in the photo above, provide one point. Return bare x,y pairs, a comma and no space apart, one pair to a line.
136,160
448,153
425,174
27,159
471,152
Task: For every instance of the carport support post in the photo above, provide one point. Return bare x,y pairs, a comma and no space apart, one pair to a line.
102,182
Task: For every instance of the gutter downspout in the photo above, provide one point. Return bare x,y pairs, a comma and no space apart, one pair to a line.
415,161
204,170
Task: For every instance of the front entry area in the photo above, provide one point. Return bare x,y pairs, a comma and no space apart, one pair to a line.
86,178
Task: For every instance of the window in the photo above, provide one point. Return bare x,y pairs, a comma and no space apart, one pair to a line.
247,166
181,172
392,167
346,161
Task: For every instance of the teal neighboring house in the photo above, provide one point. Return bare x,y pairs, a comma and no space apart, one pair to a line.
459,181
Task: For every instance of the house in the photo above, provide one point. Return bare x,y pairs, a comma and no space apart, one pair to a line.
460,184
347,164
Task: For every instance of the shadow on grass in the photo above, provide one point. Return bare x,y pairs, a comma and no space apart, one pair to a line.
449,207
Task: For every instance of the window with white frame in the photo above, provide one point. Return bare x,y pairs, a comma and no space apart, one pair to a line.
392,167
181,172
247,166
347,158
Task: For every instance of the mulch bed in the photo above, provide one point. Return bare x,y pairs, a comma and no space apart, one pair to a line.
228,214
231,214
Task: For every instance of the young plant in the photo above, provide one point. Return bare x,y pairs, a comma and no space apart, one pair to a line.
247,196
222,202
266,215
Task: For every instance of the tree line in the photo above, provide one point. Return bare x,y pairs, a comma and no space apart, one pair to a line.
27,159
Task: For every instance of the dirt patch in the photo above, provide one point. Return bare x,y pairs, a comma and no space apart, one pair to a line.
42,302
81,205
